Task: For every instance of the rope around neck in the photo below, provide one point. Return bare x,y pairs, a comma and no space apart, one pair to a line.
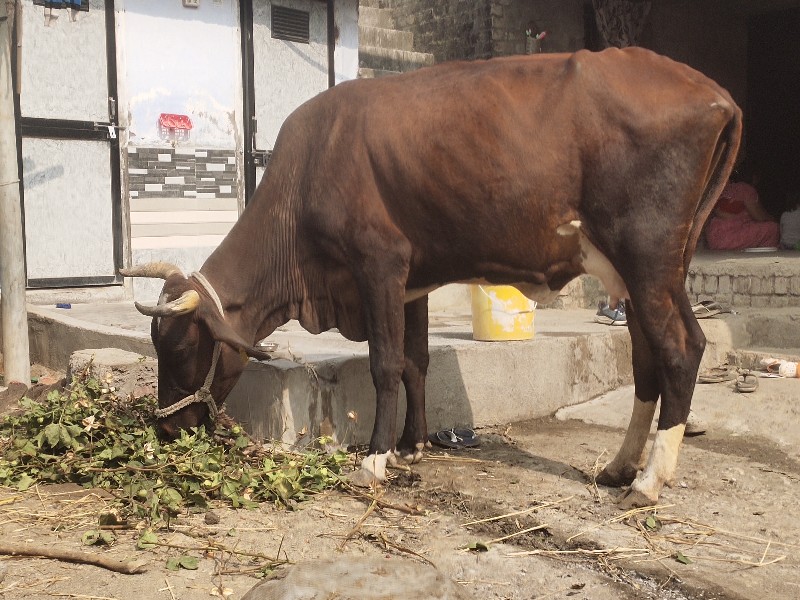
204,393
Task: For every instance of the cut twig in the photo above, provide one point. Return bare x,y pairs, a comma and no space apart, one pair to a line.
358,525
518,512
515,534
622,517
97,560
404,549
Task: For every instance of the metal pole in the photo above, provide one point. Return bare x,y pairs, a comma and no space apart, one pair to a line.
16,351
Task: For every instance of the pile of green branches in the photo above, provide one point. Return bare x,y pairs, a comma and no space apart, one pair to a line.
86,435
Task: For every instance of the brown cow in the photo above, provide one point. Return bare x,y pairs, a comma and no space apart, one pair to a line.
526,170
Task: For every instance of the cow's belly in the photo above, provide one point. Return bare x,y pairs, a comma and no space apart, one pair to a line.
590,259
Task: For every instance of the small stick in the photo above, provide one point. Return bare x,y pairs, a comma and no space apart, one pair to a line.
622,517
169,587
358,525
81,596
519,512
71,556
528,530
404,549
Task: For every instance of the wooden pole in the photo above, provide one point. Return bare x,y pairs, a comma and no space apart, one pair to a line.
14,323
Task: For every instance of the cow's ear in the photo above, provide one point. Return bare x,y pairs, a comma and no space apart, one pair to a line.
222,332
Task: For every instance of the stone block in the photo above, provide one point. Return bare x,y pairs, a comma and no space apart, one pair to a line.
710,284
795,287
762,285
776,301
742,285
724,284
127,372
760,301
781,286
741,299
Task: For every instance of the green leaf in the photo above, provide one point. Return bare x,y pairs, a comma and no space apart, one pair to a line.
652,523
147,540
189,562
682,558
52,434
478,547
98,537
25,482
173,564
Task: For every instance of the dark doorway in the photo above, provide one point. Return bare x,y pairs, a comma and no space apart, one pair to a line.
773,106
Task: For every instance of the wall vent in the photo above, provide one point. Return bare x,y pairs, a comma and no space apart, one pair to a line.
290,24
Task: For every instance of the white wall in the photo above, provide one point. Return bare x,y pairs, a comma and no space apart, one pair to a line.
183,61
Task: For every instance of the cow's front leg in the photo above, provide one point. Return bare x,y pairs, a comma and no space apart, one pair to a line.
382,279
415,368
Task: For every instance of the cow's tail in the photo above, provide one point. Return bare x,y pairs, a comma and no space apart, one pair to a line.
722,163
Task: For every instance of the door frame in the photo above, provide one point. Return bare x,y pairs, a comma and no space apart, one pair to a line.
68,129
254,157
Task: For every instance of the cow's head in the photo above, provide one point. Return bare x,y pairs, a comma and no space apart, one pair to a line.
187,330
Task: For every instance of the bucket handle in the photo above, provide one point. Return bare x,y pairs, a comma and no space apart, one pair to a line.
516,312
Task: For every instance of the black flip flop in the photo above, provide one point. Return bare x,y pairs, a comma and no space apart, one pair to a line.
455,438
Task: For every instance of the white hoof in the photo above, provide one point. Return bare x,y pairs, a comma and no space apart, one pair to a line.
372,471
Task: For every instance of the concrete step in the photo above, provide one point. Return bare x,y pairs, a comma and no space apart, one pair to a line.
364,73
321,385
371,16
387,59
741,279
376,4
385,38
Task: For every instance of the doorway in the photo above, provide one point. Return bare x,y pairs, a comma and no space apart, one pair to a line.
772,121
287,61
68,145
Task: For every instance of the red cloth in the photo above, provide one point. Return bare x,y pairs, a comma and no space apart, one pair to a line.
740,232
735,196
731,227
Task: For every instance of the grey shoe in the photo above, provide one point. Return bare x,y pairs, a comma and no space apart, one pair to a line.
611,316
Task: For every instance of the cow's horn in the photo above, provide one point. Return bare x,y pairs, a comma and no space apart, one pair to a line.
188,302
159,269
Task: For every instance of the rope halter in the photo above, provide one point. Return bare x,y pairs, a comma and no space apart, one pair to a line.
204,393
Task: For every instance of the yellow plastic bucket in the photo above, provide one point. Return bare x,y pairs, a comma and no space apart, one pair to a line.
501,312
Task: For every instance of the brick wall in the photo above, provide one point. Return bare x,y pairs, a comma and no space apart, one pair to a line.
470,29
774,287
182,173
449,29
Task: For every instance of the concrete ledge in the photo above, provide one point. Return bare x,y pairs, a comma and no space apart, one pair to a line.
388,59
321,384
54,335
306,394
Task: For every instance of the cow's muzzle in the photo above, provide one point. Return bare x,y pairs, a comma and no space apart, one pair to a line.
200,396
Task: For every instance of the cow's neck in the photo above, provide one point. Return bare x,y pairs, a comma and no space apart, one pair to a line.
247,273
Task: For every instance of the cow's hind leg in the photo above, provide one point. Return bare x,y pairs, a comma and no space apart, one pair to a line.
415,368
631,457
677,343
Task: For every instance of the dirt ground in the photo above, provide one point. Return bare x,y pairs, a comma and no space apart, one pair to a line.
729,528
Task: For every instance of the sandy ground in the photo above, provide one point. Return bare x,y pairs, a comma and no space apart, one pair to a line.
732,515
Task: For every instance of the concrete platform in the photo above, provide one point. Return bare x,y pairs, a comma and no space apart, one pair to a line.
321,384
